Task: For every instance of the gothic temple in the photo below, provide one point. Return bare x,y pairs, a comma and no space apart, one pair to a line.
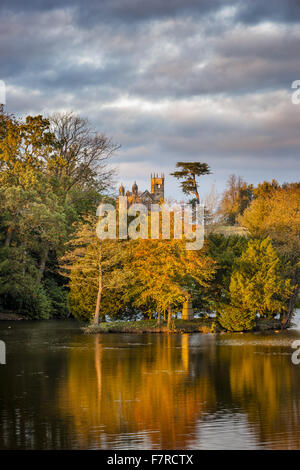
155,196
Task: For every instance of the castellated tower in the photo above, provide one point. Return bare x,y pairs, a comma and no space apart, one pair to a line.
158,187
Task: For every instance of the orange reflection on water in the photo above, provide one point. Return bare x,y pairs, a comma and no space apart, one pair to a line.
140,390
161,391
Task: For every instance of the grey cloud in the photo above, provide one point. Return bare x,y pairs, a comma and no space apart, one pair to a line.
131,11
206,83
156,61
254,11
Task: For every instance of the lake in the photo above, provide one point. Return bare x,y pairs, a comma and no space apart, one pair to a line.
61,389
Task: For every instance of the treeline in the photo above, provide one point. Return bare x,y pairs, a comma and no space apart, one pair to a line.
240,278
53,175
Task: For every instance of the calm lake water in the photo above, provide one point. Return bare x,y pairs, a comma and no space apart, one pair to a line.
61,389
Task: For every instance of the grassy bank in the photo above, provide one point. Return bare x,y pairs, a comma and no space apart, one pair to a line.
151,326
198,325
8,316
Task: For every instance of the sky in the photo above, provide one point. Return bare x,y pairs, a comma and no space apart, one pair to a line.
176,80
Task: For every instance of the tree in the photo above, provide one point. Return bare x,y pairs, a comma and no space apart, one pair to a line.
44,227
225,251
188,173
5,118
211,209
266,188
276,214
95,267
236,198
51,175
257,286
84,155
234,319
167,274
24,151
20,289
28,212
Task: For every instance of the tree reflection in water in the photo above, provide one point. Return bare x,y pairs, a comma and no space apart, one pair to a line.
62,389
153,391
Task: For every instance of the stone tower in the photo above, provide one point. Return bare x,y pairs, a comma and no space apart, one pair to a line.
187,311
158,187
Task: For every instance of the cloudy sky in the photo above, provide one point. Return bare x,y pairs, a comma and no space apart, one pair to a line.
206,80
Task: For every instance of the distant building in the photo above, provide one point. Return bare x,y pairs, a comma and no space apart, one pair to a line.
155,196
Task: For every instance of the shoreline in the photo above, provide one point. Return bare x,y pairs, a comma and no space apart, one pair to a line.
197,325
11,317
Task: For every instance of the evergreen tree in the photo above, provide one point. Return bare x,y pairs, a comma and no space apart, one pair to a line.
256,288
188,173
275,213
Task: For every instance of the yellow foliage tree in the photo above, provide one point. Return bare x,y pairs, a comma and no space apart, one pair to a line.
94,268
166,273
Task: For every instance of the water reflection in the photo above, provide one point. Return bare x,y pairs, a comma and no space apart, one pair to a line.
126,393
67,390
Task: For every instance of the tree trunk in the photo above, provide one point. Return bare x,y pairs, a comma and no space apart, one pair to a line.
287,320
43,261
196,189
169,317
158,318
9,235
98,303
100,287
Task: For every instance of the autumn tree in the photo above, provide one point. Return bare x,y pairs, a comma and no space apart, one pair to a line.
23,154
52,173
95,268
167,274
266,188
25,147
236,198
